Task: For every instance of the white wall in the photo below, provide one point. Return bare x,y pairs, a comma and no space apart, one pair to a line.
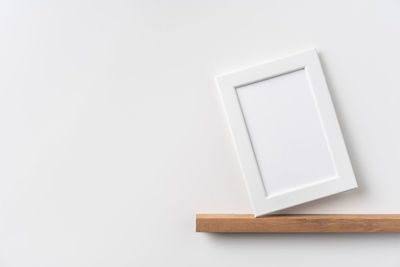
112,135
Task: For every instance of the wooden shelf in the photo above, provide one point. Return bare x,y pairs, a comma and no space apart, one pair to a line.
298,223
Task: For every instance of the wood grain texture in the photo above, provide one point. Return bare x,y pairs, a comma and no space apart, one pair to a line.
298,223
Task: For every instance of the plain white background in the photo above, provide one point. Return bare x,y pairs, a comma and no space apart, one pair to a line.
112,135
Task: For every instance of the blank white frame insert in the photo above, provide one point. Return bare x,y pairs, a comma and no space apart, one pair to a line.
286,133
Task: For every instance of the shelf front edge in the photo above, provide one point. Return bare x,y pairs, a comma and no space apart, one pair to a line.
298,223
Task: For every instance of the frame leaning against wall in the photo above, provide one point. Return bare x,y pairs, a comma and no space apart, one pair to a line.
245,127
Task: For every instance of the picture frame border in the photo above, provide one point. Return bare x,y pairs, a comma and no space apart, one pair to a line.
261,202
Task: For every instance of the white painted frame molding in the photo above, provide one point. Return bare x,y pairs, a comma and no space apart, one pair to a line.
262,200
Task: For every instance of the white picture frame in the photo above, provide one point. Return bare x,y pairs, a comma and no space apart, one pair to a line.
288,140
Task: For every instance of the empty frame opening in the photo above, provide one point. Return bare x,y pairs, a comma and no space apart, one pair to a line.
288,139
